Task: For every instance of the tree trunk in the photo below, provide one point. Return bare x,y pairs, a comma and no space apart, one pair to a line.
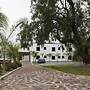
4,63
86,60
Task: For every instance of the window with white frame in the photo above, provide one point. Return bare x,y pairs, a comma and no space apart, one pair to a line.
59,57
53,57
45,56
37,48
58,48
37,57
63,57
53,49
44,48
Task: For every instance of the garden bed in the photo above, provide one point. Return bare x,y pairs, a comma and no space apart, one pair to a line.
8,67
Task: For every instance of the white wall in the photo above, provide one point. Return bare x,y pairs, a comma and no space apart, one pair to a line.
49,50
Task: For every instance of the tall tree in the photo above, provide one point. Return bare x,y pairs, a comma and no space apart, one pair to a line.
66,18
12,52
63,20
26,34
3,21
3,26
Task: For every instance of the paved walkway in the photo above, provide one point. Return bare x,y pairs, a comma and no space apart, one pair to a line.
31,77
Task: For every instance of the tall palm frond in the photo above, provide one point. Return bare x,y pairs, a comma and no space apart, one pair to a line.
20,23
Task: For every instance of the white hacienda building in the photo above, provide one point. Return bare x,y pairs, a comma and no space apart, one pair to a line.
52,52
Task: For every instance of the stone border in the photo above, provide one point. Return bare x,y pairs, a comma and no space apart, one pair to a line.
5,75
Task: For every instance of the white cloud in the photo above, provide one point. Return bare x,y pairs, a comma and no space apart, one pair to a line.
15,9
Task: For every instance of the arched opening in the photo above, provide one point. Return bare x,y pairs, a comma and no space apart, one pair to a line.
23,54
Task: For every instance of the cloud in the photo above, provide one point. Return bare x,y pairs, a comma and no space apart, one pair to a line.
15,9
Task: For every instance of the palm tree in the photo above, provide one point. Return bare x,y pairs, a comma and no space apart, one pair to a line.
12,52
25,35
3,26
20,23
3,44
3,21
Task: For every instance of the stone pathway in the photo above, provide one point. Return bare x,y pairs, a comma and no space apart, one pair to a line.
31,77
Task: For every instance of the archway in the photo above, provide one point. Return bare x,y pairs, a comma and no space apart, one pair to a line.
23,54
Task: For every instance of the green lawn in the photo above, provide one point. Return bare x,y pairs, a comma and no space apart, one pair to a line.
78,70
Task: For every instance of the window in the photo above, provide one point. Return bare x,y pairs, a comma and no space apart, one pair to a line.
38,57
58,48
53,57
62,57
58,56
45,56
53,48
70,49
44,48
55,39
37,48
62,48
69,57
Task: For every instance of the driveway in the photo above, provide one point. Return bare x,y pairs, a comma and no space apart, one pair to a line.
34,77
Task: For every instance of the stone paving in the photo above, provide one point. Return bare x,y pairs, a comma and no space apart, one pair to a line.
32,77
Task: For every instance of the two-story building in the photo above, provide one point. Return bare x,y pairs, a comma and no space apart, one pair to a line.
52,52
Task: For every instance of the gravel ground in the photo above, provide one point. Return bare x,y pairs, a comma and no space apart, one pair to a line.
34,77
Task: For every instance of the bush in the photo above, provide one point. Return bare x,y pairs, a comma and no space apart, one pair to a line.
20,57
14,65
18,63
8,66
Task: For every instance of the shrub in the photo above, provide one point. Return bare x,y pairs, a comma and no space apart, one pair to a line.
8,66
14,65
18,63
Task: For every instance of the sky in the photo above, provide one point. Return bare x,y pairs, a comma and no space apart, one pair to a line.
14,10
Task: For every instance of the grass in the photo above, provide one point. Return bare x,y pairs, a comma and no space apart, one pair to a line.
77,70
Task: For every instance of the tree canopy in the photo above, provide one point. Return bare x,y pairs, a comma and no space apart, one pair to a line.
64,20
